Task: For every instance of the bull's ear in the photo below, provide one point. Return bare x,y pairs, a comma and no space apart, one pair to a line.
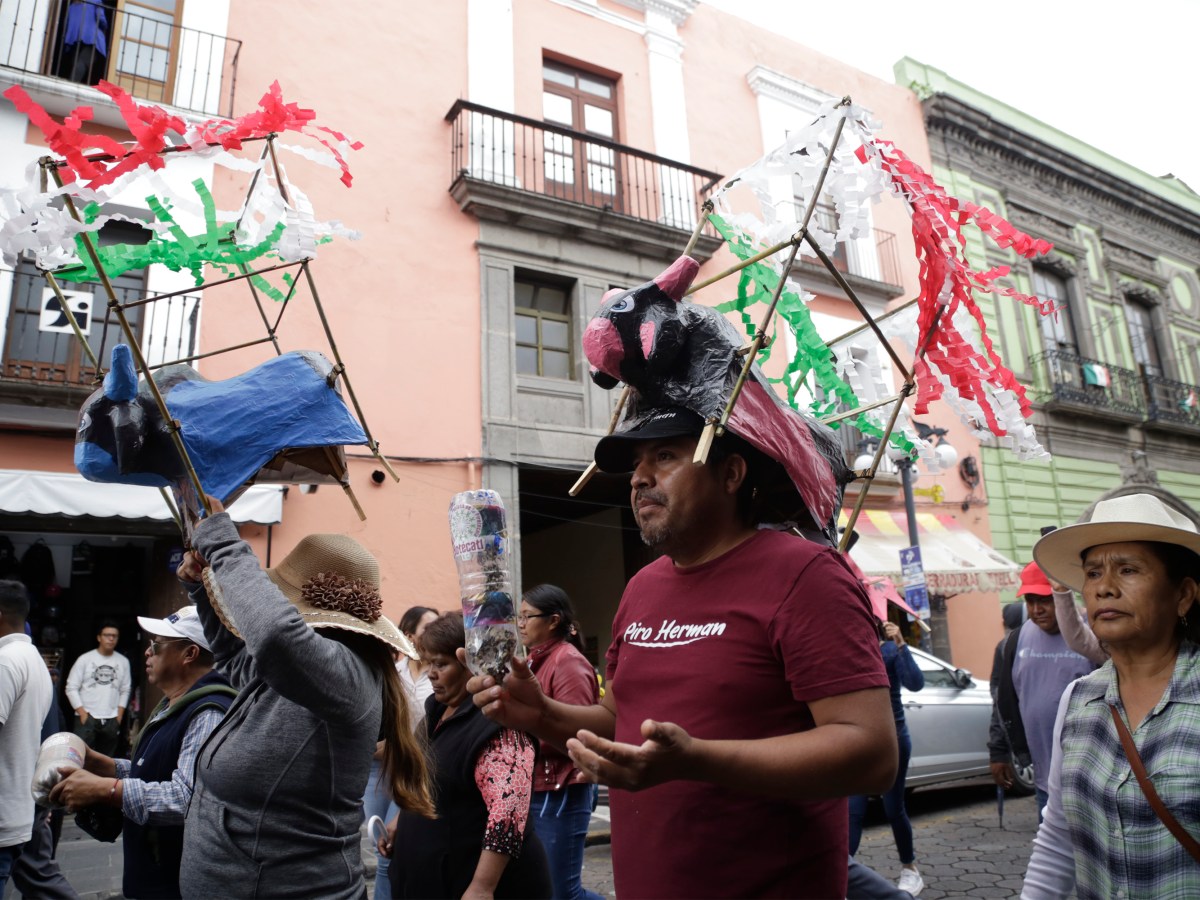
121,382
678,277
603,379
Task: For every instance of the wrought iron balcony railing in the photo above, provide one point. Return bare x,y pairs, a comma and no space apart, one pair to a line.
1172,401
547,159
877,260
41,349
137,46
1081,381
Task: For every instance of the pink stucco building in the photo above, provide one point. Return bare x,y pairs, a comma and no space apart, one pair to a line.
520,159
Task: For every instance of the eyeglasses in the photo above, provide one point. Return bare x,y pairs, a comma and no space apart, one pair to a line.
525,617
156,647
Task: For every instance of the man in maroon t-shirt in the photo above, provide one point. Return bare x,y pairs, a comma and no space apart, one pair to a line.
752,695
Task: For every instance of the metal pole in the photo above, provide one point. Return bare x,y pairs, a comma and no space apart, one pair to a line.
910,506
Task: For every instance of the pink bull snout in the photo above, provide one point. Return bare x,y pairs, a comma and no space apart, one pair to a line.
602,347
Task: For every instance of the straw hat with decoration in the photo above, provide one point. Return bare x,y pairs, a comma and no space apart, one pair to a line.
333,581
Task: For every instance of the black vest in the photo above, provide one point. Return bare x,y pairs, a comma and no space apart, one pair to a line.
437,858
153,852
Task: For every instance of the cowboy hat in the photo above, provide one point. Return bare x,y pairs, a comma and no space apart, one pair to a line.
333,581
1133,517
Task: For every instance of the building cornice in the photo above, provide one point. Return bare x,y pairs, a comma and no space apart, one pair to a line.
784,88
677,11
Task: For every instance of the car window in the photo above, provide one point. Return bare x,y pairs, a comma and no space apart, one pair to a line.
936,675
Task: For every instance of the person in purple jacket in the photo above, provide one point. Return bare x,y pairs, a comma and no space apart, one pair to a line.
902,671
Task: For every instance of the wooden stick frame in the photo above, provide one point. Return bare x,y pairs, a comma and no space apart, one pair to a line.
49,170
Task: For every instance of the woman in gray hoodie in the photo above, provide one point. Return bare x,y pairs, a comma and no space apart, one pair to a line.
276,808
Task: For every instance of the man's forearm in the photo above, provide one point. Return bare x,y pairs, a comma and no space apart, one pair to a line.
562,721
834,759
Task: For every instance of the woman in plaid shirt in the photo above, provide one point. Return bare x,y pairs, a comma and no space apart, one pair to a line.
1136,564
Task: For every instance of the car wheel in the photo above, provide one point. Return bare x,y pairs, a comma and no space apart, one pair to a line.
1023,784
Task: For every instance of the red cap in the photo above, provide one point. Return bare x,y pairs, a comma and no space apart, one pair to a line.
1034,581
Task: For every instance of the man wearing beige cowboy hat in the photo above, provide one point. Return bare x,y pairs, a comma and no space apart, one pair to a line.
1122,816
277,803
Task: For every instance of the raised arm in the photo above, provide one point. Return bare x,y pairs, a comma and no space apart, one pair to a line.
230,656
316,672
1075,632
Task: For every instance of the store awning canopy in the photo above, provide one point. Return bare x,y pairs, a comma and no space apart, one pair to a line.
955,560
68,494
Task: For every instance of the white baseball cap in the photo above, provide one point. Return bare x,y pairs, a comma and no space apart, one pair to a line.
183,623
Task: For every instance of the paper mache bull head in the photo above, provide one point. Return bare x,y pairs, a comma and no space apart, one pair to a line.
676,353
282,421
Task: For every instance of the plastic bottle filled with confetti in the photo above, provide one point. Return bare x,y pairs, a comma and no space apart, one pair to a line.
479,534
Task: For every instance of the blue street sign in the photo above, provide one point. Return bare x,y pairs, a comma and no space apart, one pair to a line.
913,574
916,596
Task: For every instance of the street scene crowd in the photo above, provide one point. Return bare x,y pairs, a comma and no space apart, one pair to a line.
739,752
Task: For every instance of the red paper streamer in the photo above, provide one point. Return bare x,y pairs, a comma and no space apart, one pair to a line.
150,126
937,222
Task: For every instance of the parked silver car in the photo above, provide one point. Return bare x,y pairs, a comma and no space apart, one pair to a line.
948,720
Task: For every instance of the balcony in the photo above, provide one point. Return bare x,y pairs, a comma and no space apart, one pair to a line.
148,53
1079,384
547,178
44,365
1172,404
871,266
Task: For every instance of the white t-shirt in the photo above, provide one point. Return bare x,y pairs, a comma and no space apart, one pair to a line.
25,697
99,683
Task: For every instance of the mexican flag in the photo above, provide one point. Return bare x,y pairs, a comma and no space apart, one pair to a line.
1190,401
1094,373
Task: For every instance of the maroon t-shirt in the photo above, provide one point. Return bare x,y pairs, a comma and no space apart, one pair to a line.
734,649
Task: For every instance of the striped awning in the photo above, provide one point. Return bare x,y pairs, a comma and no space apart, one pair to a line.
954,559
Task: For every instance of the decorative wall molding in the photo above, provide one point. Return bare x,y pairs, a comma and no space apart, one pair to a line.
786,89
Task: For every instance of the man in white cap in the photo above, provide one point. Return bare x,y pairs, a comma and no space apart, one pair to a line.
153,789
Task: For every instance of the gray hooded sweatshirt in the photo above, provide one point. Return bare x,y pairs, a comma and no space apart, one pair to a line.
276,806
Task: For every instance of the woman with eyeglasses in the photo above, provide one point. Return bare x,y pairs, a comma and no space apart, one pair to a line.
562,800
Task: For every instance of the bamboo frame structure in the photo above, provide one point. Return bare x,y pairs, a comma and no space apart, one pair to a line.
49,169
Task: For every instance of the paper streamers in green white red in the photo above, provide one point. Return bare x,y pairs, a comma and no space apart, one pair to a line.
96,169
960,365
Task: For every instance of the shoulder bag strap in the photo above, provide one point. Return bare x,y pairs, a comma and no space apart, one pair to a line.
1189,843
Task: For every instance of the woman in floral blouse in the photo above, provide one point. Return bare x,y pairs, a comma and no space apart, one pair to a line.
1136,564
479,845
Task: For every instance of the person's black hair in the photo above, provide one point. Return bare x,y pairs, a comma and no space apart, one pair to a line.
14,602
412,618
444,635
551,600
108,623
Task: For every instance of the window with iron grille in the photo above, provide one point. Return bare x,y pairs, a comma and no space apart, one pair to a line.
543,326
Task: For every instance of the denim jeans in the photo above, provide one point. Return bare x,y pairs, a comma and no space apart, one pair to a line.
1042,797
560,820
377,801
8,857
893,805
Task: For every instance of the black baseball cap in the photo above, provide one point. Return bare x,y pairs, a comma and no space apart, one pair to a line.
614,453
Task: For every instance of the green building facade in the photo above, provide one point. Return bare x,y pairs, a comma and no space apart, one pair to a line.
1115,377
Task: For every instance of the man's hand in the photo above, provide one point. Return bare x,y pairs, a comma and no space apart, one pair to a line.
663,756
518,704
893,632
191,568
83,716
80,788
1002,774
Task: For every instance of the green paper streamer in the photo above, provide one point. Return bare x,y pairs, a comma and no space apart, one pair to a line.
179,251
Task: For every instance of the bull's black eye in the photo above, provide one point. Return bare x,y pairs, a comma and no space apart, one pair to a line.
625,304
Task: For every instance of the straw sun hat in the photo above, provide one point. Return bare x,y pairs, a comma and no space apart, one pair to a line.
1133,517
334,582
